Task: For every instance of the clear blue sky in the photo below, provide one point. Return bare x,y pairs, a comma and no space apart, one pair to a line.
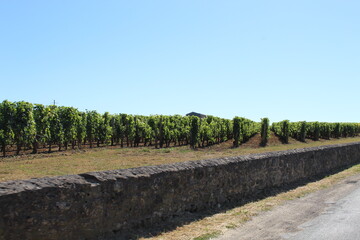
296,60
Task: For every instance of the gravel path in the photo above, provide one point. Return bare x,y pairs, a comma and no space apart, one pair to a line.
332,213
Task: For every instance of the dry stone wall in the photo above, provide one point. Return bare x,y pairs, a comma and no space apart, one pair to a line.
103,205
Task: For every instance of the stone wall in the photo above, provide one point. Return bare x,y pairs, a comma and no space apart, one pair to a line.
103,205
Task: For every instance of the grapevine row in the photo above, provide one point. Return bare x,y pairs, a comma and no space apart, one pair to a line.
314,130
25,126
32,126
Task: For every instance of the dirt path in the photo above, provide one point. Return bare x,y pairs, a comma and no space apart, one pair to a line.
303,218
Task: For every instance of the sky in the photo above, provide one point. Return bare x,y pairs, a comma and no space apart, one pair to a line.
296,60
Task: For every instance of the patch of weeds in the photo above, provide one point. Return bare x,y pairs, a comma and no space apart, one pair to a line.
266,208
241,212
145,150
186,150
208,236
245,218
265,205
231,226
122,150
166,150
288,198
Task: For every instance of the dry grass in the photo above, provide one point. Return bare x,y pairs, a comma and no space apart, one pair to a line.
217,224
79,161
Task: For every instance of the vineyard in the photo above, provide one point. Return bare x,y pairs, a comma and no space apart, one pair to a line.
25,126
